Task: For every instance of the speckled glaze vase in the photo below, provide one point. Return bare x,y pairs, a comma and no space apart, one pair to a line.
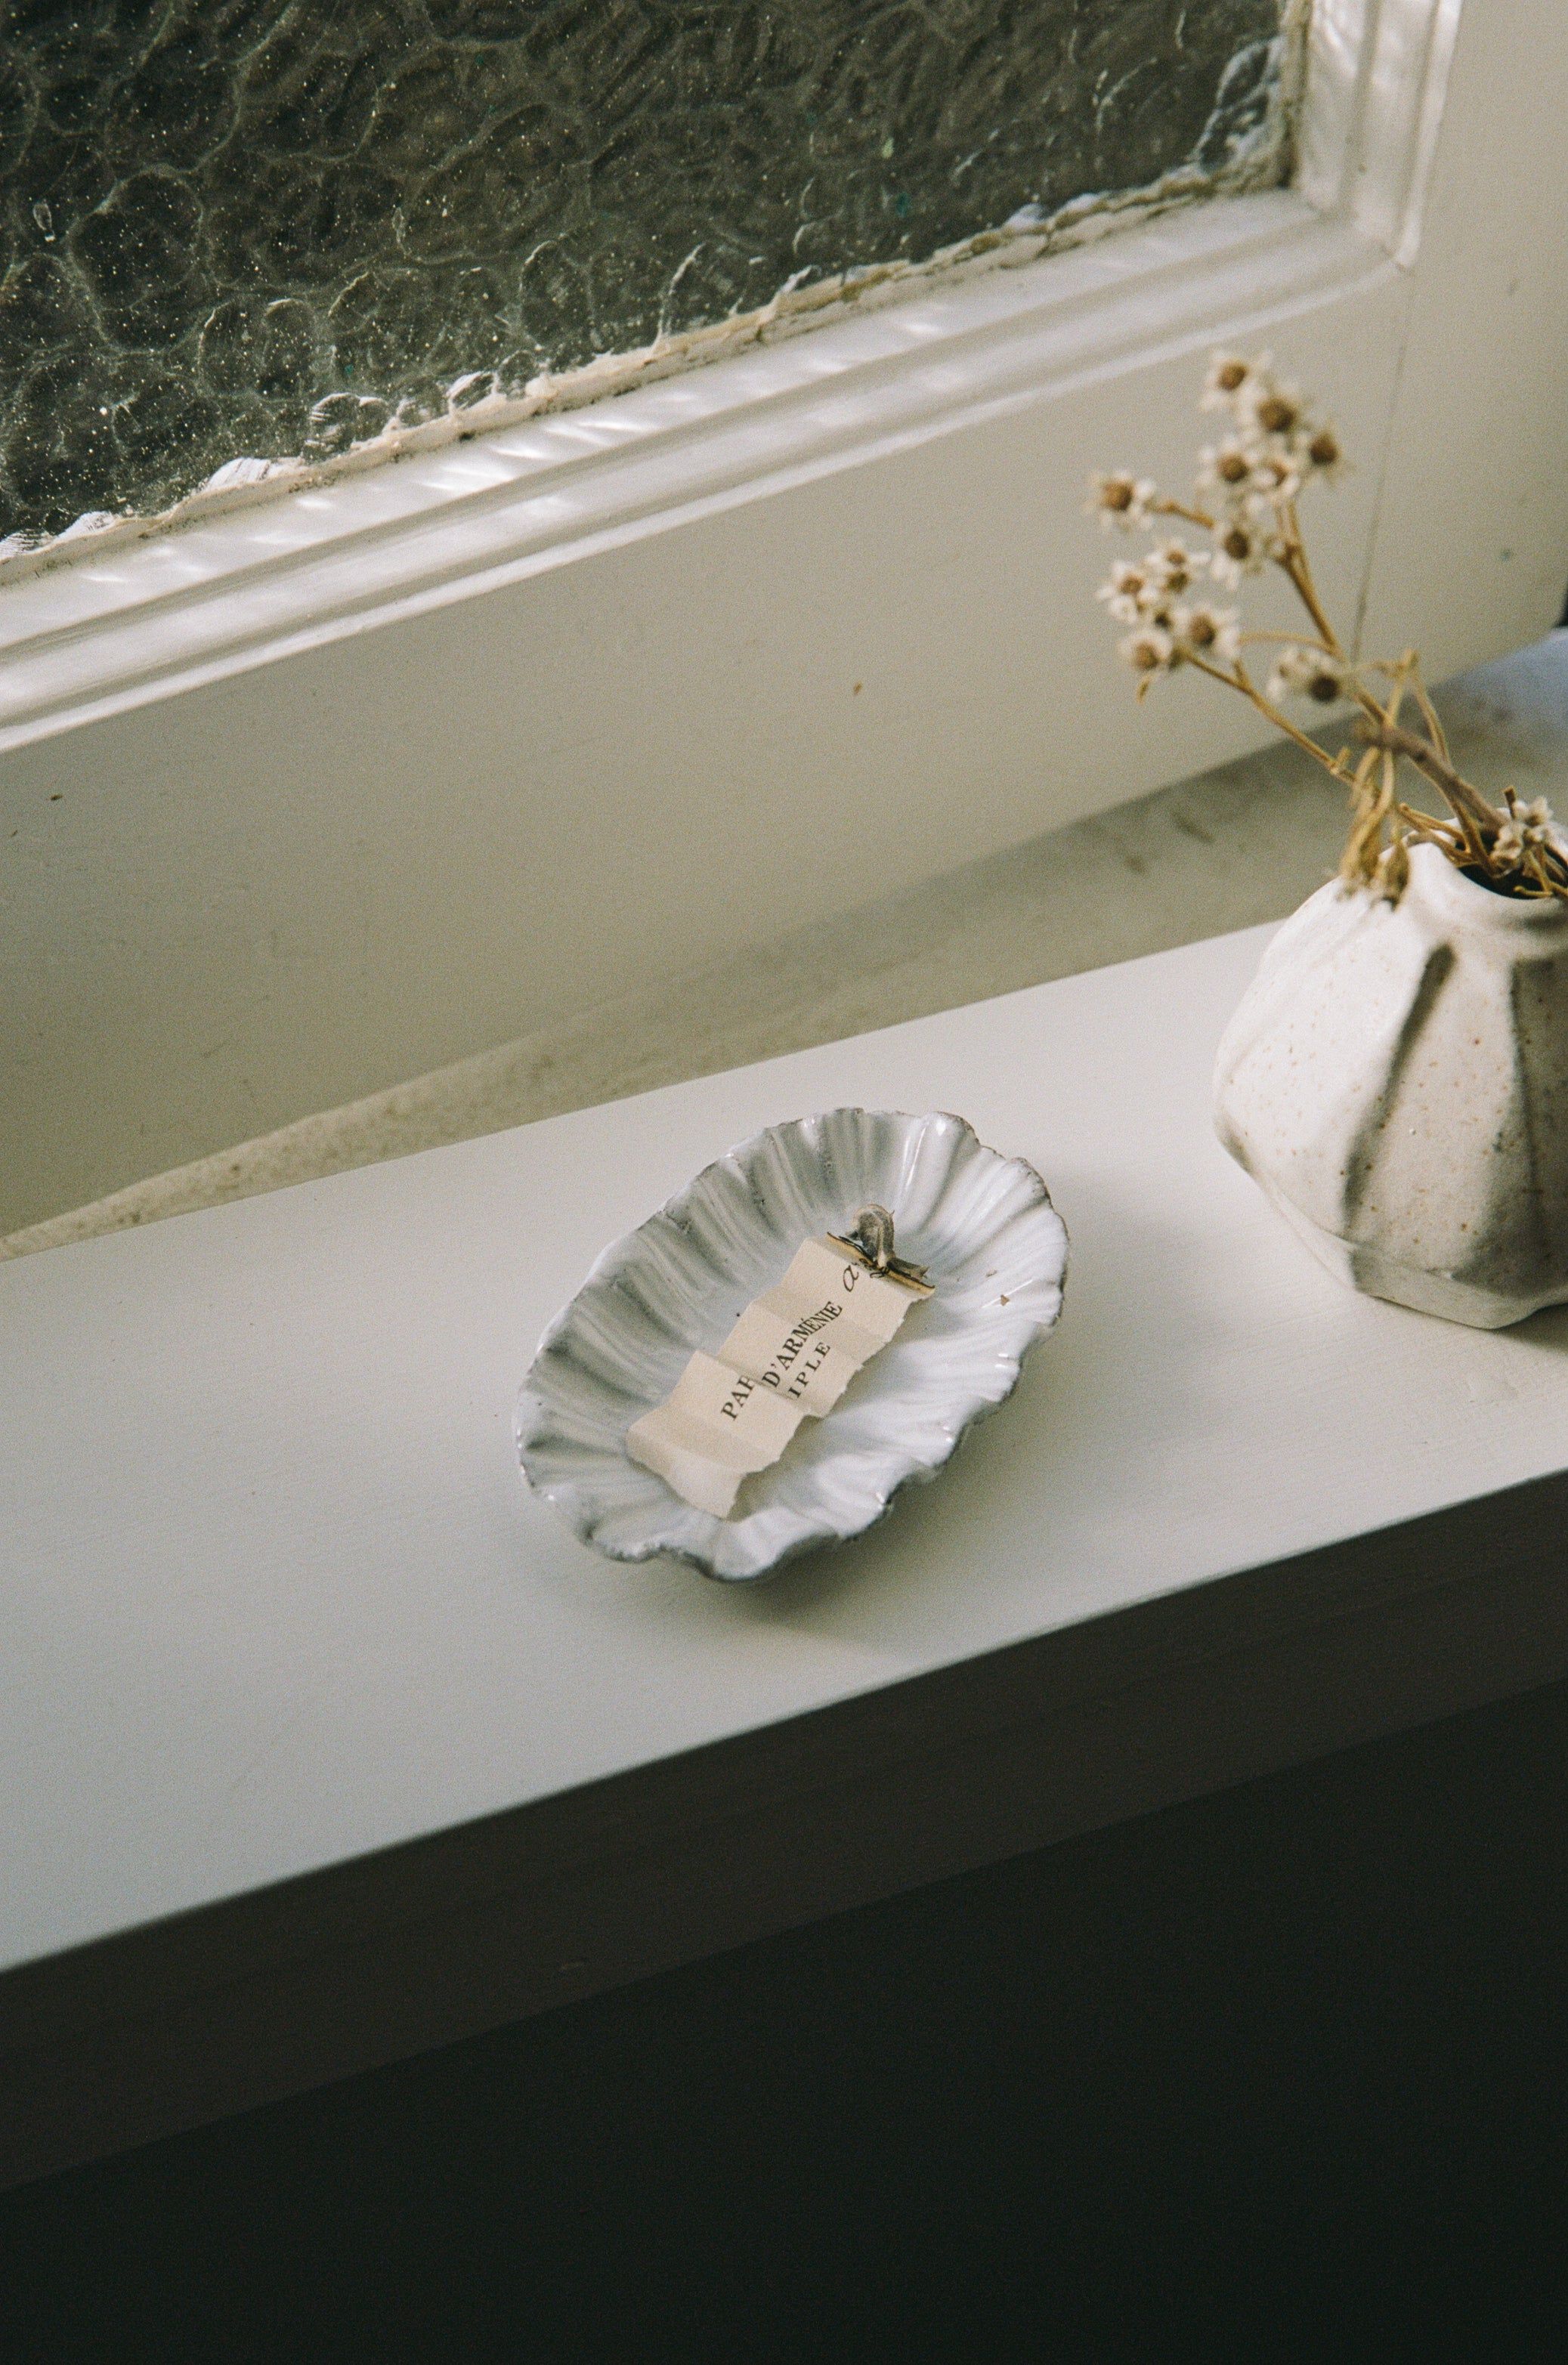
1396,1080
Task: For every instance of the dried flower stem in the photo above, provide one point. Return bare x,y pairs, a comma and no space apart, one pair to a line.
1272,448
1294,561
1467,802
1240,679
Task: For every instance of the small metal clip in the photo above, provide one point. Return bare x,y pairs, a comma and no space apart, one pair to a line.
871,1242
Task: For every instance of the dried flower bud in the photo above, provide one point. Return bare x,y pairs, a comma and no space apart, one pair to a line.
1243,545
1275,475
1212,634
1229,376
1277,414
1527,827
1227,469
1171,566
1149,651
1120,499
1127,591
1320,453
1308,673
1268,406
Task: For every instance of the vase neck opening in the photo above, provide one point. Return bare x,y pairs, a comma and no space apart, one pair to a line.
1443,892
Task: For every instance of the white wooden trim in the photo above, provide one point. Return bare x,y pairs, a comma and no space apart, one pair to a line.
1334,97
1375,82
1470,550
1397,136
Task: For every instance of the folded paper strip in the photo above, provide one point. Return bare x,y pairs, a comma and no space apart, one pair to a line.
791,1356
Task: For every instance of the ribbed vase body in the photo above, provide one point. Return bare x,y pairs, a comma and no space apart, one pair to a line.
1396,1080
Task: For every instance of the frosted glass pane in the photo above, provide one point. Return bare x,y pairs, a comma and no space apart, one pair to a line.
262,226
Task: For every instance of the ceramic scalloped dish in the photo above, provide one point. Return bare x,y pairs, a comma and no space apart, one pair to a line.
983,1226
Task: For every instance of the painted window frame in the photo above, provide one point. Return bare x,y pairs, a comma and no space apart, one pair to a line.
85,634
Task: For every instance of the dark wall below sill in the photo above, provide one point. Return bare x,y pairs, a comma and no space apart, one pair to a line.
1281,2073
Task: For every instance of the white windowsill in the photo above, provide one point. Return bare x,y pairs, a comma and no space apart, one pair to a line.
277,1605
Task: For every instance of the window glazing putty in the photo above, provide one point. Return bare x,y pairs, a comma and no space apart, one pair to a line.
271,227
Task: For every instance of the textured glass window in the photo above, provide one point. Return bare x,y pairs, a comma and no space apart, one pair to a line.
267,226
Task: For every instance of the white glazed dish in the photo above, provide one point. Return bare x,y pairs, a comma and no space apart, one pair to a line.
982,1224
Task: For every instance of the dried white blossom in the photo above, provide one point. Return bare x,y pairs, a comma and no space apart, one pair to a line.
1319,453
1274,430
1149,650
1276,473
1226,469
1270,406
1172,567
1308,673
1130,592
1120,499
1528,826
1270,445
1212,634
1230,375
1243,546
1169,599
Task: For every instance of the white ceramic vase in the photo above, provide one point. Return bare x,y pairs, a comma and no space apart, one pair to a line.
1396,1080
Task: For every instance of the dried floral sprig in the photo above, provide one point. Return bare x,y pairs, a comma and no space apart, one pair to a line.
1249,481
